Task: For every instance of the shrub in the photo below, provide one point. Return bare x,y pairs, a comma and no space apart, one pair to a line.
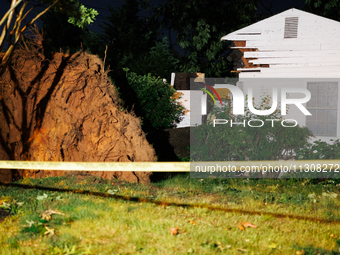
159,61
226,143
159,106
319,150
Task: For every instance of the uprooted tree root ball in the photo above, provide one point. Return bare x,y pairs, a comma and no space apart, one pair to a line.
64,108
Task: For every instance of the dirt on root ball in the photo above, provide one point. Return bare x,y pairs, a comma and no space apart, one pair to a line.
64,108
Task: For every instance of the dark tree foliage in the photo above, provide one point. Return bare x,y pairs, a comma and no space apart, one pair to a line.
199,26
59,34
193,30
326,8
129,37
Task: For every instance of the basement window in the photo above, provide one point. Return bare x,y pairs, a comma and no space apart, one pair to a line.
323,106
291,27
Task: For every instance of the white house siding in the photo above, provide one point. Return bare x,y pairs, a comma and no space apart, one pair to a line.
196,103
292,44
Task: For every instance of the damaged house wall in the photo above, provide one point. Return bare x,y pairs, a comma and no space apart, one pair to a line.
298,45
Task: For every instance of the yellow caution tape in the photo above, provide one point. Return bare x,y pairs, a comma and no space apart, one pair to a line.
298,165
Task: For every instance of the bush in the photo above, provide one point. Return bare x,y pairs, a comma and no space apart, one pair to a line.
319,150
226,143
159,61
157,100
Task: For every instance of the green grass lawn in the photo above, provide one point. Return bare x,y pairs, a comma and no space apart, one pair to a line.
207,216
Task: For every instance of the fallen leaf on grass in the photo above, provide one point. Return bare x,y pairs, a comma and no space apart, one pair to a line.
6,205
47,214
174,231
300,252
111,191
221,246
241,227
247,224
29,243
44,216
334,236
30,223
50,231
241,249
330,194
42,197
192,222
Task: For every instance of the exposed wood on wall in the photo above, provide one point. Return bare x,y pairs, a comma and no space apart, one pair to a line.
285,44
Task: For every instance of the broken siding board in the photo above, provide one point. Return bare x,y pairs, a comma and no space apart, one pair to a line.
279,35
290,75
288,54
245,61
281,47
302,60
298,41
293,69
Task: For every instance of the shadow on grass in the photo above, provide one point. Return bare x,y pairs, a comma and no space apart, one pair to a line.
165,203
3,214
311,250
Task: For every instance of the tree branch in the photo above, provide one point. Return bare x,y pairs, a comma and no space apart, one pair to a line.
6,27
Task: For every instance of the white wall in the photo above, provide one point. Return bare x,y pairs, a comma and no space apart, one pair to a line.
265,86
196,103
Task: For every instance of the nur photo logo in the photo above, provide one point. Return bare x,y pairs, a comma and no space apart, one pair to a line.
239,99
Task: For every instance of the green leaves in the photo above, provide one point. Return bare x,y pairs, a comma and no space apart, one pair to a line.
199,26
131,38
87,16
12,207
326,8
157,62
243,142
156,99
319,150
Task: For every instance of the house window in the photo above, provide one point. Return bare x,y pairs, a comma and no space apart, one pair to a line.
323,107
